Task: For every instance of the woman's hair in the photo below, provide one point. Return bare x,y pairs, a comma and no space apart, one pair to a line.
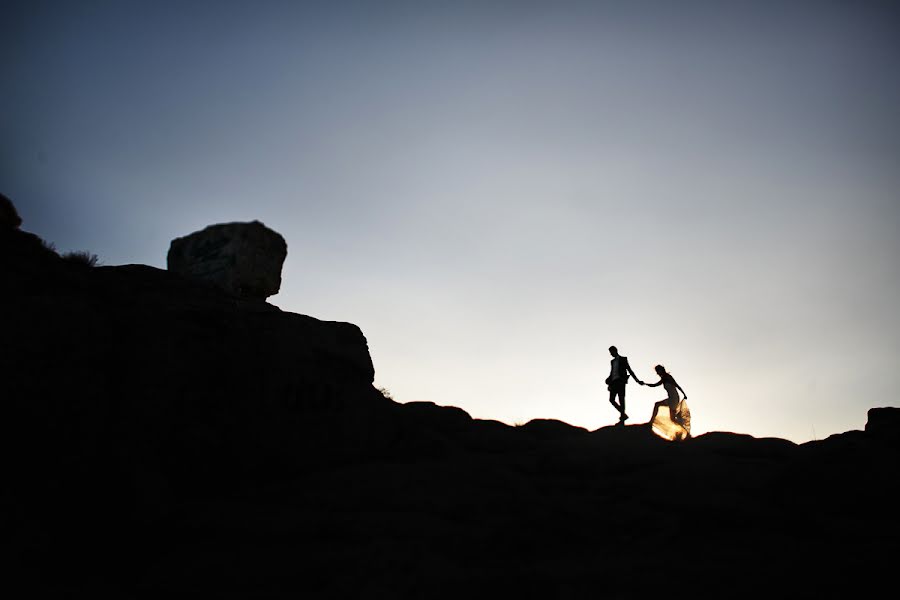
659,368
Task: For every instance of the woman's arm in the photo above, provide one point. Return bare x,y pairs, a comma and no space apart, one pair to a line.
682,391
654,384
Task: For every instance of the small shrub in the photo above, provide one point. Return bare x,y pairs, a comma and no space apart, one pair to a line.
386,393
48,246
82,257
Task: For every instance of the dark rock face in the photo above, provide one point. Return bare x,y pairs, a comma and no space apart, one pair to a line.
159,437
551,429
9,217
884,424
244,259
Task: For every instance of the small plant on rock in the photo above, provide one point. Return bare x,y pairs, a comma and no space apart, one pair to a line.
82,257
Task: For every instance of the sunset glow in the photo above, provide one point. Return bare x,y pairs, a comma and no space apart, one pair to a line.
495,193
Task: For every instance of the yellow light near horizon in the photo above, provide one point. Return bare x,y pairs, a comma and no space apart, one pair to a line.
666,428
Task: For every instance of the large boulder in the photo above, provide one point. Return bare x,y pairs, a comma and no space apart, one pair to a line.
244,259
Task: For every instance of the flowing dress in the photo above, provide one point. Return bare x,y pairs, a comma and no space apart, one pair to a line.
673,421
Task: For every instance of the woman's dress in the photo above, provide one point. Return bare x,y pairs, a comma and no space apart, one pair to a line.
672,421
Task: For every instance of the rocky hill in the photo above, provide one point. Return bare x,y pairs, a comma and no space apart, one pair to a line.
163,437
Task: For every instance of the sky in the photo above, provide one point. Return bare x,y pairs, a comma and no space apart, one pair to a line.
496,192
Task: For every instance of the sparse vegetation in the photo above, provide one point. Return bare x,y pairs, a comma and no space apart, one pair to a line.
78,257
49,246
82,257
385,392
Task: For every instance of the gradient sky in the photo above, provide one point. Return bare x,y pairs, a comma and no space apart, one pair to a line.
496,192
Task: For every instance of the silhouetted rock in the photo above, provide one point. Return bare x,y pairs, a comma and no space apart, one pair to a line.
161,436
491,436
884,424
28,265
551,429
446,419
9,217
739,445
243,259
155,384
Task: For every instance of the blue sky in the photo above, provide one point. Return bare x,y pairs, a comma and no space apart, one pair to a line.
496,192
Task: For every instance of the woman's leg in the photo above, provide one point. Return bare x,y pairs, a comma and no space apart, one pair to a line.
674,415
656,410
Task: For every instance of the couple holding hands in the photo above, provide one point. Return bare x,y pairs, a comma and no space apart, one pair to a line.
618,378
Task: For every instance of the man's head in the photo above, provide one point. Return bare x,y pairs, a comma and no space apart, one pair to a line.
613,351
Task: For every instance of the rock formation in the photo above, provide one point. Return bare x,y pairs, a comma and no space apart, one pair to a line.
9,217
884,424
159,439
244,259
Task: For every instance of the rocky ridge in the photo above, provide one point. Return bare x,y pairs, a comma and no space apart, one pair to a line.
162,436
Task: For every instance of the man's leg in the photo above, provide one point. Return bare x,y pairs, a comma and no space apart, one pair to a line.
621,393
612,400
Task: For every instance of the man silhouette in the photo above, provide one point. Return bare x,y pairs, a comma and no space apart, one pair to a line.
619,370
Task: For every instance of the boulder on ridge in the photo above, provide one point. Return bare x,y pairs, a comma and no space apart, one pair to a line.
244,259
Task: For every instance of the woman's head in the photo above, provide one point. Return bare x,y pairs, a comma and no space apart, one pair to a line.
660,370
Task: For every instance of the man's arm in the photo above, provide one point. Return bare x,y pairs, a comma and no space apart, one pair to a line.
636,378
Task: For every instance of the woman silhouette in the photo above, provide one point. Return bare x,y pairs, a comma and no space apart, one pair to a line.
671,386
